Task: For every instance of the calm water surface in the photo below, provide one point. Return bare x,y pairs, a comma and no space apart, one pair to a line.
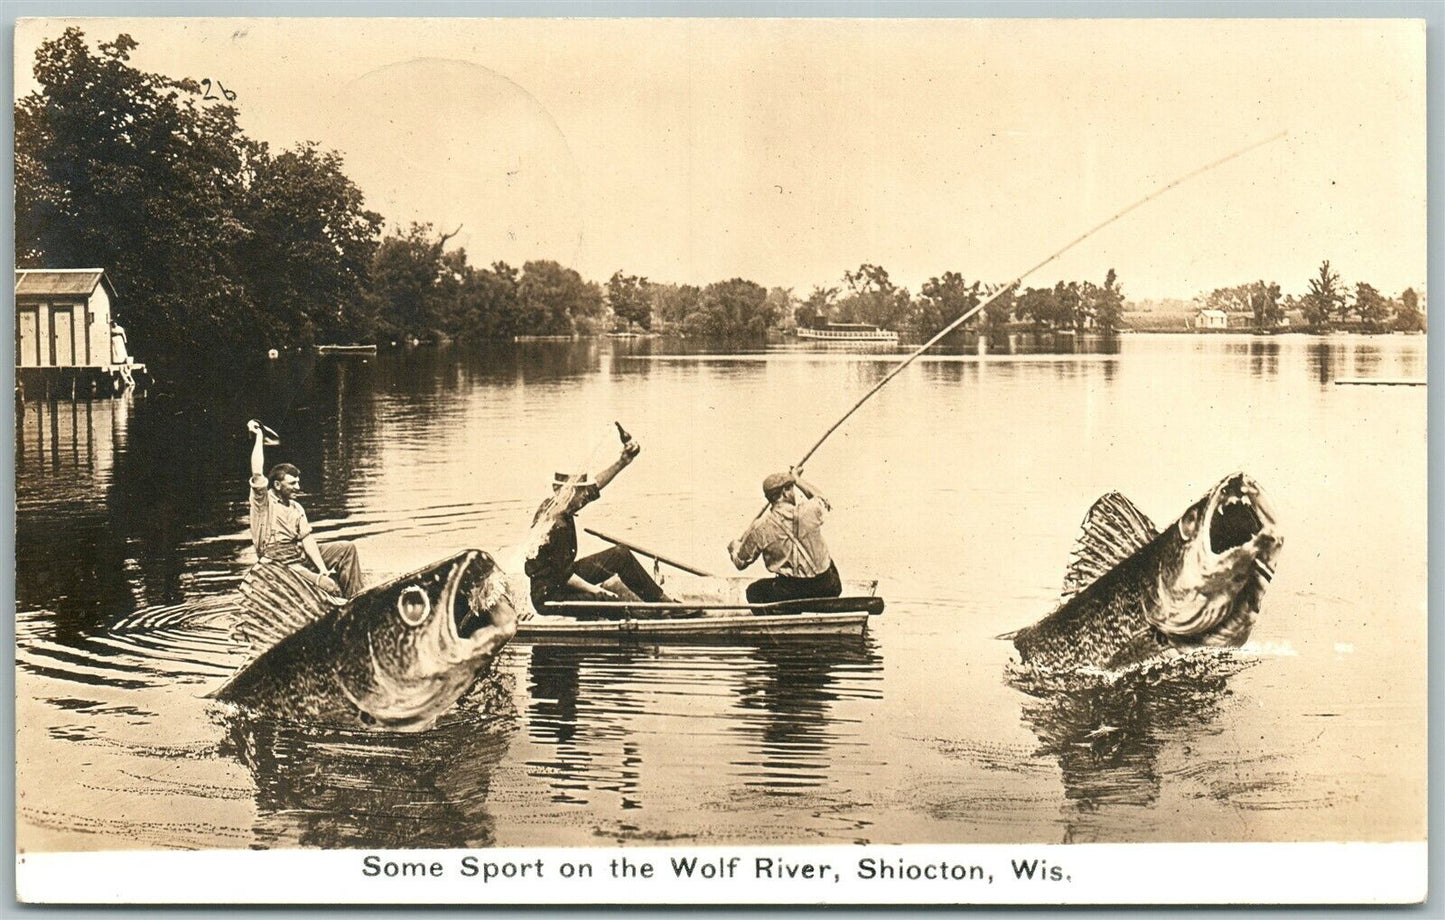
960,487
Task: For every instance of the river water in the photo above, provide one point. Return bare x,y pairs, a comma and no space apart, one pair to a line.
960,487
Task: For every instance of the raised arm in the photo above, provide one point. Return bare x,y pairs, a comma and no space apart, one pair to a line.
258,450
810,491
630,450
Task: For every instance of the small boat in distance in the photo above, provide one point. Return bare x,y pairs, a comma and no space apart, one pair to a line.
346,350
706,608
846,332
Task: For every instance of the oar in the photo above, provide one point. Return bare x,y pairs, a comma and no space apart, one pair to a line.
647,552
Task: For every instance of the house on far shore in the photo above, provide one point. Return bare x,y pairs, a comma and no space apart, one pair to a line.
1211,319
66,337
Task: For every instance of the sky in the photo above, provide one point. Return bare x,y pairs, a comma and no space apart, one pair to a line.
790,151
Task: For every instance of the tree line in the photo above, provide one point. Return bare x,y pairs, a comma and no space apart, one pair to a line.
869,296
221,246
1328,303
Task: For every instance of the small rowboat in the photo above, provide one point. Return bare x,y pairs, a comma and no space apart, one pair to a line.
346,350
707,608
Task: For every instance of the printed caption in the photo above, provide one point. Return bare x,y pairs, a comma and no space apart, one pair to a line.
715,868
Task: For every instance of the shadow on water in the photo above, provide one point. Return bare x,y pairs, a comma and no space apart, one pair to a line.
325,787
1108,735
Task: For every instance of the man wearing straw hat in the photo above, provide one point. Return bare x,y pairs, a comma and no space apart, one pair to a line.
789,537
280,530
552,564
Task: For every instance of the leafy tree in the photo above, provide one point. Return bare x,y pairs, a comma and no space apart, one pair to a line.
1039,306
1325,298
629,298
781,303
131,172
874,298
674,303
406,290
308,254
1264,304
732,309
1408,317
1371,307
1236,299
555,300
942,300
1105,304
1071,306
486,303
215,245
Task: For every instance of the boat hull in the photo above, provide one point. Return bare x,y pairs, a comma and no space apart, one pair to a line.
346,351
706,608
816,335
745,626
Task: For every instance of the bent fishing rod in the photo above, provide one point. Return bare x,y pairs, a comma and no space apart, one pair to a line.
970,313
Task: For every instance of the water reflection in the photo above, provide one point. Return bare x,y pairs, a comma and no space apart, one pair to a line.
586,703
1367,360
1108,736
1263,353
1322,361
321,787
788,691
584,727
72,438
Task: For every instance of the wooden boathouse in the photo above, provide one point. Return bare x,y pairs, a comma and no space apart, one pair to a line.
67,341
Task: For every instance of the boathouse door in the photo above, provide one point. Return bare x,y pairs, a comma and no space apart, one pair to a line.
62,321
27,339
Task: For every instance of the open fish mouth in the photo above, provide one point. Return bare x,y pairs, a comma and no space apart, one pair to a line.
1234,523
1244,516
472,595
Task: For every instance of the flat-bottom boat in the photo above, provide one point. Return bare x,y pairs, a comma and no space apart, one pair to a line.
346,351
705,608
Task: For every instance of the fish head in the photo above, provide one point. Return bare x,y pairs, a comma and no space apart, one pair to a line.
420,639
1216,565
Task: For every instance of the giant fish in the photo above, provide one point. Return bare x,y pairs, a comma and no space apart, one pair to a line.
396,656
1133,593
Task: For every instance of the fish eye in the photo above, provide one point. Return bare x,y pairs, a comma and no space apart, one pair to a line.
413,605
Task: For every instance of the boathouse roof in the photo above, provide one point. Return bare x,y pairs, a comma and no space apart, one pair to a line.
60,282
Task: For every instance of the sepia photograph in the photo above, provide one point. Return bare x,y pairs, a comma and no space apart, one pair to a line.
811,460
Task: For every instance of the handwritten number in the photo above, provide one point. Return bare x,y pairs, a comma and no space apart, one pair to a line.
228,95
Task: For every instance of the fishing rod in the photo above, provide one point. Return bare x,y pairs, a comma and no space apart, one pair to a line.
969,314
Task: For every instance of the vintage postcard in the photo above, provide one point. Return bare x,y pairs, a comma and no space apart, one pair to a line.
720,461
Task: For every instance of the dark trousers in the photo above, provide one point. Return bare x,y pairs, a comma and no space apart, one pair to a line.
345,565
784,588
340,557
619,561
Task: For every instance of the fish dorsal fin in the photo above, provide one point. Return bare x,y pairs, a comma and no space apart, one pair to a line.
1113,531
276,601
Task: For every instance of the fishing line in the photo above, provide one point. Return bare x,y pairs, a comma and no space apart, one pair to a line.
1029,271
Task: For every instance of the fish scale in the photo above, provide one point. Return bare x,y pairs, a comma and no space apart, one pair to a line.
1128,584
392,657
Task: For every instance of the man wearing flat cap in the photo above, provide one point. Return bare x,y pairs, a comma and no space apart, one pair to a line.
789,537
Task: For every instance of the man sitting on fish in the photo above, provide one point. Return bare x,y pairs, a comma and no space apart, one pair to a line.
789,537
552,564
281,532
